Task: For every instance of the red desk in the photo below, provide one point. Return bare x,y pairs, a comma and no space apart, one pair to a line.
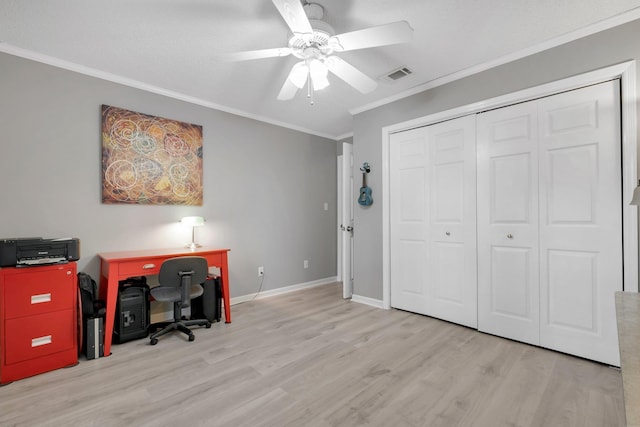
116,266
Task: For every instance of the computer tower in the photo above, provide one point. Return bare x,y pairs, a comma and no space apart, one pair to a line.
209,304
132,312
93,338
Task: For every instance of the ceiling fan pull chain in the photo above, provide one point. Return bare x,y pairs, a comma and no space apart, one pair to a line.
309,89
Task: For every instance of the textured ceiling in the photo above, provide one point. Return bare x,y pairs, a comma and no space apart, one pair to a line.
170,46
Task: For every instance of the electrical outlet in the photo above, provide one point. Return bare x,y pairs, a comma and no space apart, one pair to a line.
260,271
306,263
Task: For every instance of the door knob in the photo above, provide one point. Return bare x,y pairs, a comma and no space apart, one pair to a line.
349,228
509,236
447,233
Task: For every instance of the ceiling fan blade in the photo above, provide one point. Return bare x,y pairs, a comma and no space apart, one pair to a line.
350,74
382,35
253,54
295,80
288,91
293,13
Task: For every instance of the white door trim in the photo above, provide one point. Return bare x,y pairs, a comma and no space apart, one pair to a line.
339,218
626,71
346,219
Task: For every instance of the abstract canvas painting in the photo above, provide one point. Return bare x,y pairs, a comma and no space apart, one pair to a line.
150,160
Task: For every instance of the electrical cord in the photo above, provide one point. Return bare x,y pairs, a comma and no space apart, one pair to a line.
256,294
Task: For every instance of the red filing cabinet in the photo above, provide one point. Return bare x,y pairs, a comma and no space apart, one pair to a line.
38,320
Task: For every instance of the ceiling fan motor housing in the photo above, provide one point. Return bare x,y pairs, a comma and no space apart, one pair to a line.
316,45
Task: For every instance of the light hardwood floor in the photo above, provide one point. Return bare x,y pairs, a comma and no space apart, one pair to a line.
310,358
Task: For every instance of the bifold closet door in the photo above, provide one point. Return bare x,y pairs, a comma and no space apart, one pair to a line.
433,236
508,265
409,252
550,221
581,221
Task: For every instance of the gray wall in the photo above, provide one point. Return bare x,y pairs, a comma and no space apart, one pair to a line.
597,51
264,186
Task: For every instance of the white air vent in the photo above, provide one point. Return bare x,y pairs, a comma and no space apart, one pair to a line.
396,74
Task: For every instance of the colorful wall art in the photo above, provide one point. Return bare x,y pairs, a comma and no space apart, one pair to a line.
150,160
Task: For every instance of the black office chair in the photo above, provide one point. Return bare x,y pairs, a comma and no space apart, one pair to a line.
180,280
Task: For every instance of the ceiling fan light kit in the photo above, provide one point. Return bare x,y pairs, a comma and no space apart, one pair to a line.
313,41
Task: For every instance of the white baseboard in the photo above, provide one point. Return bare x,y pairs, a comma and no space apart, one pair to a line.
283,290
368,301
168,315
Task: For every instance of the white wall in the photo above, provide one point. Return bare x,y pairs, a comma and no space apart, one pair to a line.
264,186
590,53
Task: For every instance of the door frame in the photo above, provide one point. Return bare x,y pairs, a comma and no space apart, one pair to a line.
626,72
345,208
339,179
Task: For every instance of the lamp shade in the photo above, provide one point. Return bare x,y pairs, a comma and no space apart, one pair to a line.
318,71
192,221
298,75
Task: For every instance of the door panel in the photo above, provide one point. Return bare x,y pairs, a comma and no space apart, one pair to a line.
448,275
411,290
409,246
412,192
572,290
433,240
572,190
511,184
581,221
452,227
447,189
508,265
510,289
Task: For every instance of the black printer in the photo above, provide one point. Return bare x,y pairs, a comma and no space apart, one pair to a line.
32,251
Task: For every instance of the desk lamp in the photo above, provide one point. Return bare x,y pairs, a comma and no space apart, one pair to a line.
193,222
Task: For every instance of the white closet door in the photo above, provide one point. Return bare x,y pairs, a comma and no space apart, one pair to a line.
452,238
580,221
409,220
508,265
433,236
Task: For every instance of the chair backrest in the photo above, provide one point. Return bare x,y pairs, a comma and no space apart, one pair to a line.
182,272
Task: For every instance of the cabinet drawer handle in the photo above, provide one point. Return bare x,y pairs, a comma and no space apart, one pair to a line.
148,266
37,342
38,299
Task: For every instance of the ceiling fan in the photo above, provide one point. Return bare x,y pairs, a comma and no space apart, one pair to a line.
314,43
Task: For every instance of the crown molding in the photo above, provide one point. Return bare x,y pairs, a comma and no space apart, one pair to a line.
597,27
114,78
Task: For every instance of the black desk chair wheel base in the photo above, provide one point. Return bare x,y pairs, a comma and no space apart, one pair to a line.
179,280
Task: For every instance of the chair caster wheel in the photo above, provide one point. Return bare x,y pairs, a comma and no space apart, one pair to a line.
153,341
208,325
192,337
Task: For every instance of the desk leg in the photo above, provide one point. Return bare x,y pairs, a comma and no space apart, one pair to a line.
109,293
224,272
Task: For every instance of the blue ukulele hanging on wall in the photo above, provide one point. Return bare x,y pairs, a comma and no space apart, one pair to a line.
365,198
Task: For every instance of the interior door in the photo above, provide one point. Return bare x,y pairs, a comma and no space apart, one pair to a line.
433,234
452,275
508,266
409,217
346,224
581,221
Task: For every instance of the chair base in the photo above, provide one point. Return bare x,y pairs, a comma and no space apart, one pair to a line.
180,325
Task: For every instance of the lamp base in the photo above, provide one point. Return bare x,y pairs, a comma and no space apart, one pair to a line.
193,245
